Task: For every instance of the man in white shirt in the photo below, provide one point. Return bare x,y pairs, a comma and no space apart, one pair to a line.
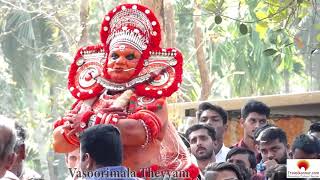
9,176
216,117
202,139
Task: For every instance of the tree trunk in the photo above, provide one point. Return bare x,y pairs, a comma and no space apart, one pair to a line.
169,26
53,100
203,68
51,168
286,77
84,13
27,77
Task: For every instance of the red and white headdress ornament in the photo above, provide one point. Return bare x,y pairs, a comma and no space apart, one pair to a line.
131,24
159,70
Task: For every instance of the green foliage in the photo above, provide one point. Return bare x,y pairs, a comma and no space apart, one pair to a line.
250,55
216,6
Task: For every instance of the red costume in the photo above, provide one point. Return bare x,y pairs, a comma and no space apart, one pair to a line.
125,82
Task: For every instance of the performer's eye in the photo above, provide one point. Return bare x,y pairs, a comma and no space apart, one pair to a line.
130,56
114,56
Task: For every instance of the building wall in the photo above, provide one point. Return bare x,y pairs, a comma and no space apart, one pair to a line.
292,112
293,126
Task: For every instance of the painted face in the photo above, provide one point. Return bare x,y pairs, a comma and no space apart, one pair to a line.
214,120
201,144
122,63
252,122
273,150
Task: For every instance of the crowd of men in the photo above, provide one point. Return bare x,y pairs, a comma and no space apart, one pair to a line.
262,153
13,152
88,162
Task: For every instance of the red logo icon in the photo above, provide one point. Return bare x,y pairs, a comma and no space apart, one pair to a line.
303,164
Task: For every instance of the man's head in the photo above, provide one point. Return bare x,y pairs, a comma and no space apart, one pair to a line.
214,116
100,146
7,142
273,145
202,139
19,149
314,130
223,170
72,158
305,147
242,157
253,115
260,129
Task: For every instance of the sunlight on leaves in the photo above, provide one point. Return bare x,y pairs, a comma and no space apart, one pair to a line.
262,29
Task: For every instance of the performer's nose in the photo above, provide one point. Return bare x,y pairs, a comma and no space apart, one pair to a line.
121,60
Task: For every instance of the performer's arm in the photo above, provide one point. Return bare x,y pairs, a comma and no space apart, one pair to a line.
62,126
134,131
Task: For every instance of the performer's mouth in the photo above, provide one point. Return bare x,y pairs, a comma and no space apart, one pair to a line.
120,69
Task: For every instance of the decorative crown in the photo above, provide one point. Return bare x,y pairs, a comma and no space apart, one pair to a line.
131,24
132,38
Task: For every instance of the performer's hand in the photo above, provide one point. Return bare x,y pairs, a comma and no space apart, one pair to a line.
106,118
115,110
112,109
71,128
70,115
74,121
73,112
74,117
66,125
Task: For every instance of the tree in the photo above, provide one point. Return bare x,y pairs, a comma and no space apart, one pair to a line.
169,24
206,82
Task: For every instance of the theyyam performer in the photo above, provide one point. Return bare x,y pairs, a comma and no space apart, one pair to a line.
125,82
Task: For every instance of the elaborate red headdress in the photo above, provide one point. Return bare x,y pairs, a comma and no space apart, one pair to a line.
133,25
158,73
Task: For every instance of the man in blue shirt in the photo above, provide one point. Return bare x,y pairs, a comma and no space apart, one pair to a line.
101,154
